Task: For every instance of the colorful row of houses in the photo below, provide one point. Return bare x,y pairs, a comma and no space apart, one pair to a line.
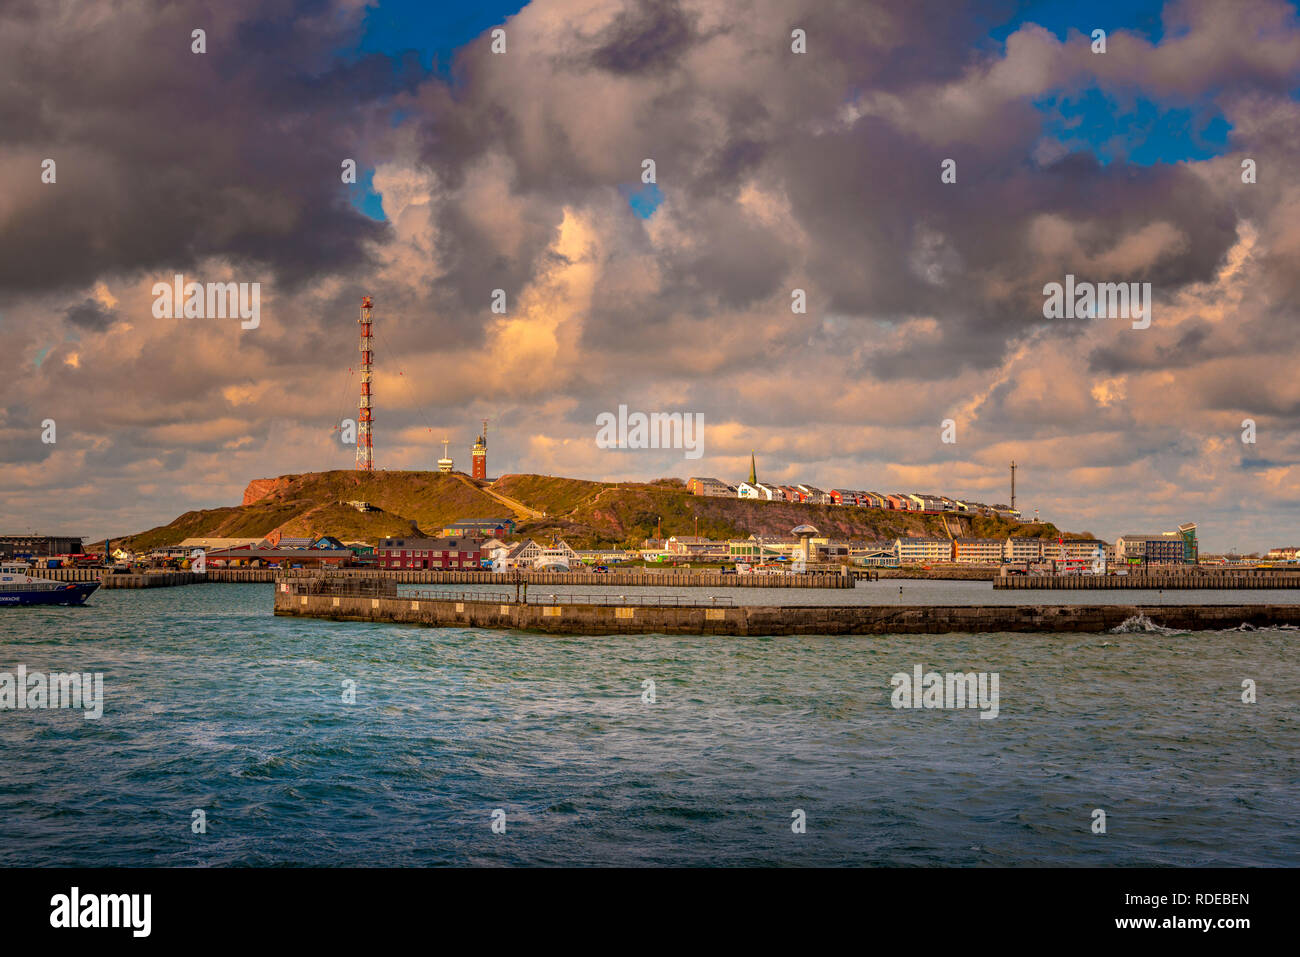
810,494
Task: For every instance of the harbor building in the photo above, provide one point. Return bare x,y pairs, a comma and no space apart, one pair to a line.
914,550
479,528
1073,549
39,546
1167,548
978,551
421,553
1018,549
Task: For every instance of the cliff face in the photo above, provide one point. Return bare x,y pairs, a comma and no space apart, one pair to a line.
259,489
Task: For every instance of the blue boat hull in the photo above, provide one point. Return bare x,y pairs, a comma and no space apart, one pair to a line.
73,593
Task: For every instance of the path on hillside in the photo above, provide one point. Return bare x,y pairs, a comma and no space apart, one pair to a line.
519,508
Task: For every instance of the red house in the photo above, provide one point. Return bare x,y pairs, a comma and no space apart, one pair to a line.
421,553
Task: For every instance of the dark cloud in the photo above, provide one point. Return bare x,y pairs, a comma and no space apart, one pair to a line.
89,315
647,36
165,156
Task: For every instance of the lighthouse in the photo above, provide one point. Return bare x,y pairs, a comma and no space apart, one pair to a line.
478,455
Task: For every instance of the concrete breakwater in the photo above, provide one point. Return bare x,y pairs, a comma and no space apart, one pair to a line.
152,580
1260,579
70,574
377,601
155,579
954,573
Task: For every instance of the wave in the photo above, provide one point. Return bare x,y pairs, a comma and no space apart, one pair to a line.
1142,624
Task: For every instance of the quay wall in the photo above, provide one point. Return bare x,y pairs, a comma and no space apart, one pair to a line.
152,580
1262,579
663,579
981,573
582,619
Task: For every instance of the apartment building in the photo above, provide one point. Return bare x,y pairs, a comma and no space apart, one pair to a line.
914,550
1073,548
1018,549
978,551
1166,549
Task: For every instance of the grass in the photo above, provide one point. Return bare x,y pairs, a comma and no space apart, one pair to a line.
586,514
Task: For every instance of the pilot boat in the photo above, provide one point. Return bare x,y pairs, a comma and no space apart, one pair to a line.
19,587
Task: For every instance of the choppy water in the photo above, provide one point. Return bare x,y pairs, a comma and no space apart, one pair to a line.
214,704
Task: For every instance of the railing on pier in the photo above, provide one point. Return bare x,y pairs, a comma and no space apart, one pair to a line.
651,601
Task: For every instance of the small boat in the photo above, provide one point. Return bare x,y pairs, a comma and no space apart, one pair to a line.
19,587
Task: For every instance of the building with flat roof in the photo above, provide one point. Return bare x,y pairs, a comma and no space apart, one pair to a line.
913,550
225,543
978,551
1021,549
479,528
1168,548
40,546
306,557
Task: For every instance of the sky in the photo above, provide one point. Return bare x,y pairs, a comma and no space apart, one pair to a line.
523,170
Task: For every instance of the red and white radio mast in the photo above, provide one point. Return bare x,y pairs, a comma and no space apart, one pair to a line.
365,448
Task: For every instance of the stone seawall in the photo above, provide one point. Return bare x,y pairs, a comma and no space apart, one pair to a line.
593,620
981,573
153,580
663,579
1261,579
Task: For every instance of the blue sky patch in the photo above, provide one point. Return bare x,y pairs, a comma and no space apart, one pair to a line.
643,200
363,197
1060,16
1142,132
434,29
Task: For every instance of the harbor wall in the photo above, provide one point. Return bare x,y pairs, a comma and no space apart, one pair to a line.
966,573
1256,579
658,579
581,619
151,580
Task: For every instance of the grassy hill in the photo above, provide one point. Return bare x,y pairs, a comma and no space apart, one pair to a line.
585,513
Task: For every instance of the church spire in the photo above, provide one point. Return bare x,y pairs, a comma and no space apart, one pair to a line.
753,476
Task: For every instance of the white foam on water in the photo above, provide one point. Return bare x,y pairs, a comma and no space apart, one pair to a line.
1143,624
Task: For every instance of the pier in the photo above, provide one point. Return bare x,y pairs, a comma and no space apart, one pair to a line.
377,600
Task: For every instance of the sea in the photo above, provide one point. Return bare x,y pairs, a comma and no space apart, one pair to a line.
231,737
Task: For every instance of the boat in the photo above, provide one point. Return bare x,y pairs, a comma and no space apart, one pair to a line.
19,587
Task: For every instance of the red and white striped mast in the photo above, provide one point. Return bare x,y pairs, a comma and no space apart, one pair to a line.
365,448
